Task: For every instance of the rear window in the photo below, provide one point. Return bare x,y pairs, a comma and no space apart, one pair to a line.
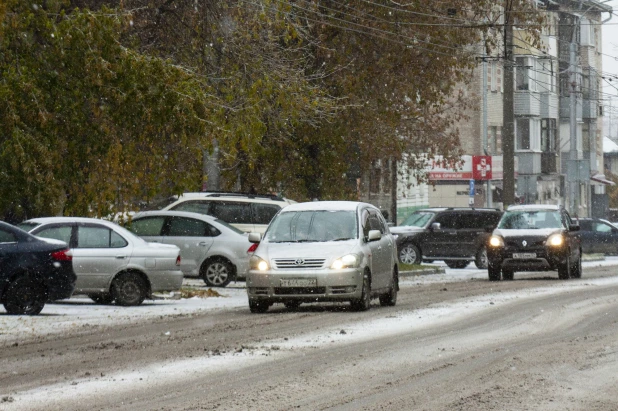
27,226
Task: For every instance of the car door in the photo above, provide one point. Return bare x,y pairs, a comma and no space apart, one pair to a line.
574,236
380,258
439,242
98,255
468,226
193,237
8,253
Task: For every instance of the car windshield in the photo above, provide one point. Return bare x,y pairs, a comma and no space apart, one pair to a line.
418,219
530,219
27,225
313,226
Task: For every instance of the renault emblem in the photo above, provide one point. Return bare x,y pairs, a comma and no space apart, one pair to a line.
299,261
524,243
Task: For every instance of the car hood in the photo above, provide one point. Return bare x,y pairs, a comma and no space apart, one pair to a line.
406,229
327,250
541,232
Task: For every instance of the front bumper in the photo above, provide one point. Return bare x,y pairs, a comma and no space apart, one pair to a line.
546,258
330,285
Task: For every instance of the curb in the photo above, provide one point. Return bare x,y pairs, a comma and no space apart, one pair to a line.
422,271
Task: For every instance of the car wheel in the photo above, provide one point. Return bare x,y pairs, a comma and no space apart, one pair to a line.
364,302
104,298
25,296
564,270
508,275
576,270
292,305
481,260
390,298
129,289
457,263
217,273
493,273
258,307
409,254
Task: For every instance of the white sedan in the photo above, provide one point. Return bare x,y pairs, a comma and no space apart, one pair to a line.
111,263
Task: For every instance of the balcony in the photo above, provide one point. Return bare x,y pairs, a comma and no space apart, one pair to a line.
549,162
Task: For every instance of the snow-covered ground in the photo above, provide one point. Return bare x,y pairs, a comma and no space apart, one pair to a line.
80,312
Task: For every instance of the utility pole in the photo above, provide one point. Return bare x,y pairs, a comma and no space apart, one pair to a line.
508,117
488,199
572,166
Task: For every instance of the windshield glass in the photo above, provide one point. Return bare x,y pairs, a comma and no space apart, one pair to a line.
530,219
313,226
418,219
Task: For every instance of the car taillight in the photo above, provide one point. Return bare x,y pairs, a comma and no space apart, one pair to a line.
252,249
62,255
178,260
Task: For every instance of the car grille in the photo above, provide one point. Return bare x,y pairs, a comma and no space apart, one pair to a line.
299,262
532,242
299,290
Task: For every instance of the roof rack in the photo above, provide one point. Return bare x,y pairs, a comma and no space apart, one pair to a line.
273,197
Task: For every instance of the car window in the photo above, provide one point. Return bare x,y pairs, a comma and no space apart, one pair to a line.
478,220
58,233
98,237
231,227
447,220
147,226
264,213
313,226
585,225
7,237
232,212
601,227
196,206
374,223
418,219
28,226
188,227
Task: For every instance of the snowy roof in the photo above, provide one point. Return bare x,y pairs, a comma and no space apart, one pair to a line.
609,146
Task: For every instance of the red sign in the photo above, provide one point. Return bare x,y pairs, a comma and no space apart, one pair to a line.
481,167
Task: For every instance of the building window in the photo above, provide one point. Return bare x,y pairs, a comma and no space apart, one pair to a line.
492,140
548,135
586,136
546,76
525,74
527,132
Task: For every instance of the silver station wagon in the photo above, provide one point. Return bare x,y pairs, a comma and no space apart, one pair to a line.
324,251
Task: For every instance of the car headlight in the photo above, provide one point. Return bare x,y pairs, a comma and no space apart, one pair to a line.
496,241
258,263
555,240
347,261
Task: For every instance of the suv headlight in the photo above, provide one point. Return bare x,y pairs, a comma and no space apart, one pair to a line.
347,261
258,263
496,241
555,240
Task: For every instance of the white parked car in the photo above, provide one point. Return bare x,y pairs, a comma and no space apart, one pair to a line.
210,248
111,263
324,251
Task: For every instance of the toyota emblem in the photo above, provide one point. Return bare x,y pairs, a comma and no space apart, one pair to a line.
524,243
299,261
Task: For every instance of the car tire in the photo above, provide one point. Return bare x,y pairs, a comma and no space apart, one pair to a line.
508,275
258,306
389,299
129,289
292,305
481,260
103,298
457,263
493,273
576,270
364,302
217,273
25,296
409,254
564,270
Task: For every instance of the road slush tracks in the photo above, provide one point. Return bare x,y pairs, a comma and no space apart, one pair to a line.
536,343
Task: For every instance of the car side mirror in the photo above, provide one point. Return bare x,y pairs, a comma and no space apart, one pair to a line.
374,235
255,238
573,227
435,226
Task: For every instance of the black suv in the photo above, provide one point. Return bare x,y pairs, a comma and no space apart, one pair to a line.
454,235
535,238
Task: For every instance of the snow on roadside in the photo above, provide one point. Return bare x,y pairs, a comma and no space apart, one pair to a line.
390,324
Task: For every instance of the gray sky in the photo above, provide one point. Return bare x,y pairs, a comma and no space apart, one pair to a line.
610,50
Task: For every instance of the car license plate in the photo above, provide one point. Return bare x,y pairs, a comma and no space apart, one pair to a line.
299,282
524,255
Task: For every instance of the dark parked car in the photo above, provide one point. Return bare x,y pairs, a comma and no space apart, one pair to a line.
535,238
598,236
454,235
33,271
